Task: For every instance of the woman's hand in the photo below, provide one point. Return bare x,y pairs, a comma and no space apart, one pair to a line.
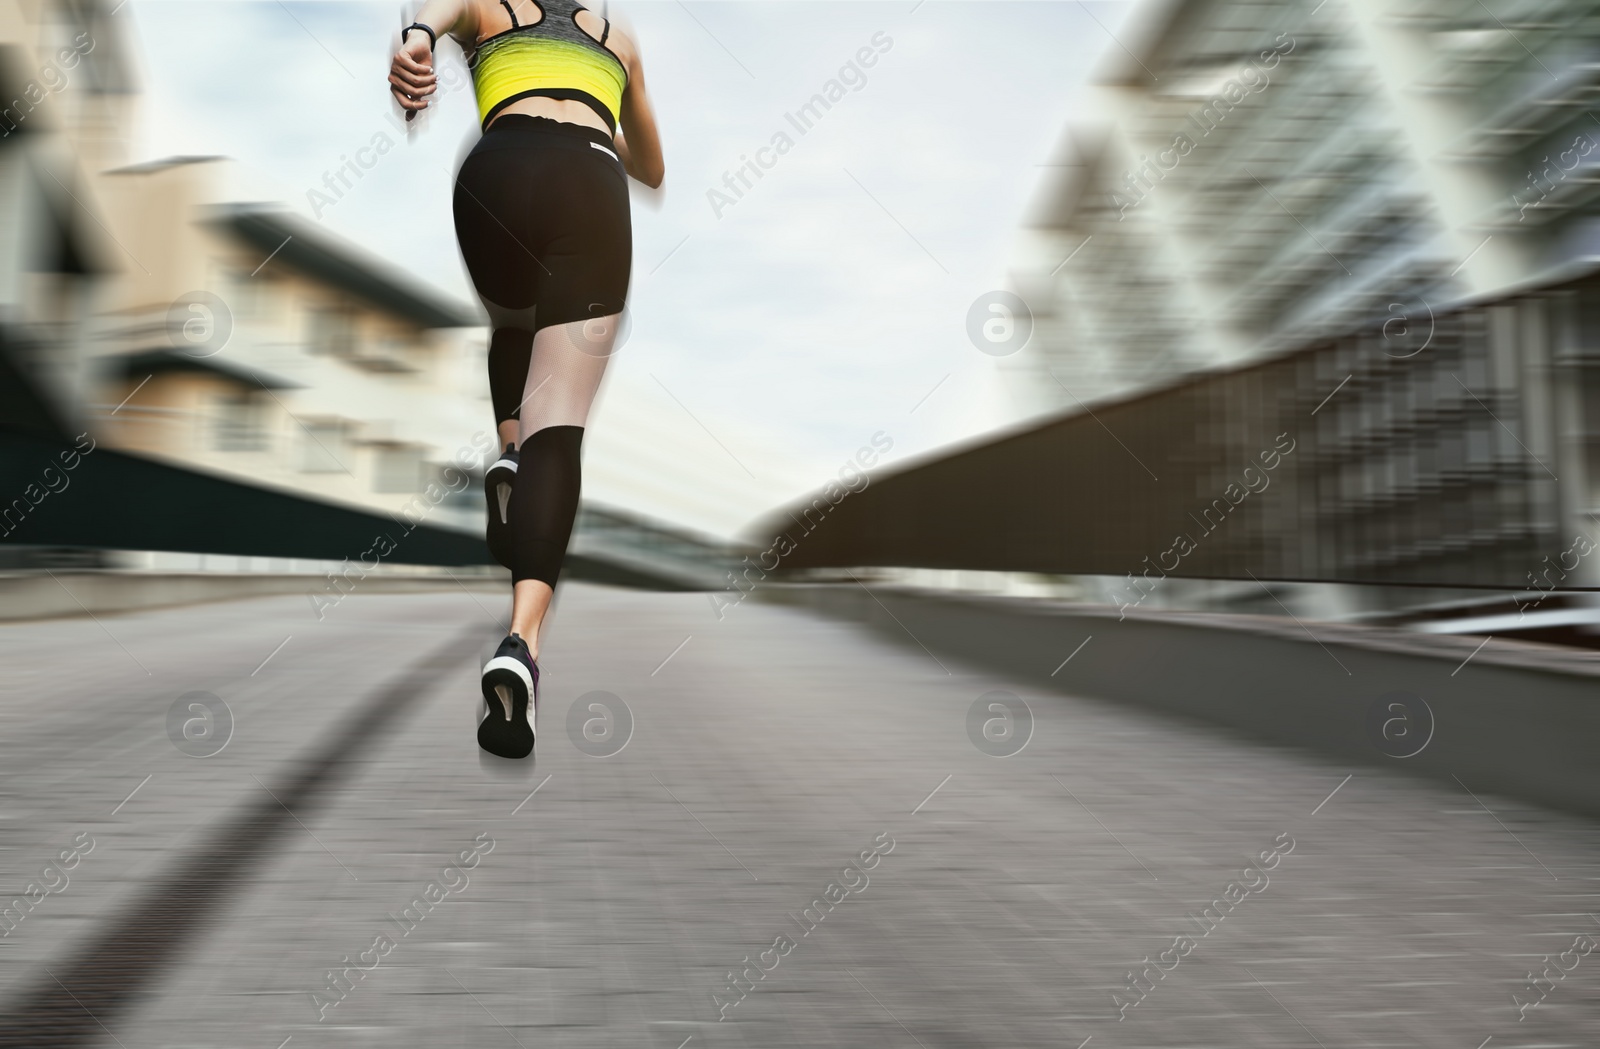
411,75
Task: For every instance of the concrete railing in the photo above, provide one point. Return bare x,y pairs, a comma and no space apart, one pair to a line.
1508,717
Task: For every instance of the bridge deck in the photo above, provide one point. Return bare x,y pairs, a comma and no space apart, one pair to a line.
768,750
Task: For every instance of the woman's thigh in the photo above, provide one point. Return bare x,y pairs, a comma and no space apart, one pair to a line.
564,372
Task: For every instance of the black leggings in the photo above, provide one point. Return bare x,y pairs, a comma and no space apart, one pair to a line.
541,212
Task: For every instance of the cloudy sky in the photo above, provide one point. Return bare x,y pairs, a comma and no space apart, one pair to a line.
769,341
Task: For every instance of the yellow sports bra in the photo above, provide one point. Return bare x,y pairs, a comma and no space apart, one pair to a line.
552,58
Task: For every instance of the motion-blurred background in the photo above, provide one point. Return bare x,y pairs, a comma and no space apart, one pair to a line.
1204,391
1204,219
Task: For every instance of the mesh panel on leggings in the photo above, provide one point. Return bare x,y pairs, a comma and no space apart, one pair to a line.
564,375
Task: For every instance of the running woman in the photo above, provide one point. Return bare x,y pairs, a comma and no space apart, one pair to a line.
542,217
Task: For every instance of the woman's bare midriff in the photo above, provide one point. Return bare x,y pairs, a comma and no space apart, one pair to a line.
566,110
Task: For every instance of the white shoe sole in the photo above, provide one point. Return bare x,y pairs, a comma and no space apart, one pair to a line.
515,666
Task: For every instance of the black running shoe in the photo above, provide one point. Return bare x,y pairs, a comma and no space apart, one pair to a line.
511,692
497,488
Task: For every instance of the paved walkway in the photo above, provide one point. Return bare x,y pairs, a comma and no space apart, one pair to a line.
610,895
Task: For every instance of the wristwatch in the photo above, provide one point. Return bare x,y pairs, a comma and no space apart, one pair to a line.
433,38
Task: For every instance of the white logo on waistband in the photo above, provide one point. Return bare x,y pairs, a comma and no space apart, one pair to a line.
604,150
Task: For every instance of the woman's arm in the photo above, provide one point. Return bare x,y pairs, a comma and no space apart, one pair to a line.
411,74
639,144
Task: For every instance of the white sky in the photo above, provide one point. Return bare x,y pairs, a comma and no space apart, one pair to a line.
776,339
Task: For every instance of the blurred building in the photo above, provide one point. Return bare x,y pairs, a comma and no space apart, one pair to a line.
248,341
233,339
1377,215
66,100
1259,174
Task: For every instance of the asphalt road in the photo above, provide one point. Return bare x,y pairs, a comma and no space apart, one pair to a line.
599,896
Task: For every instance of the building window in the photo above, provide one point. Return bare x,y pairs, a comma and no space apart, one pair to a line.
333,331
256,298
325,448
398,468
239,422
411,351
